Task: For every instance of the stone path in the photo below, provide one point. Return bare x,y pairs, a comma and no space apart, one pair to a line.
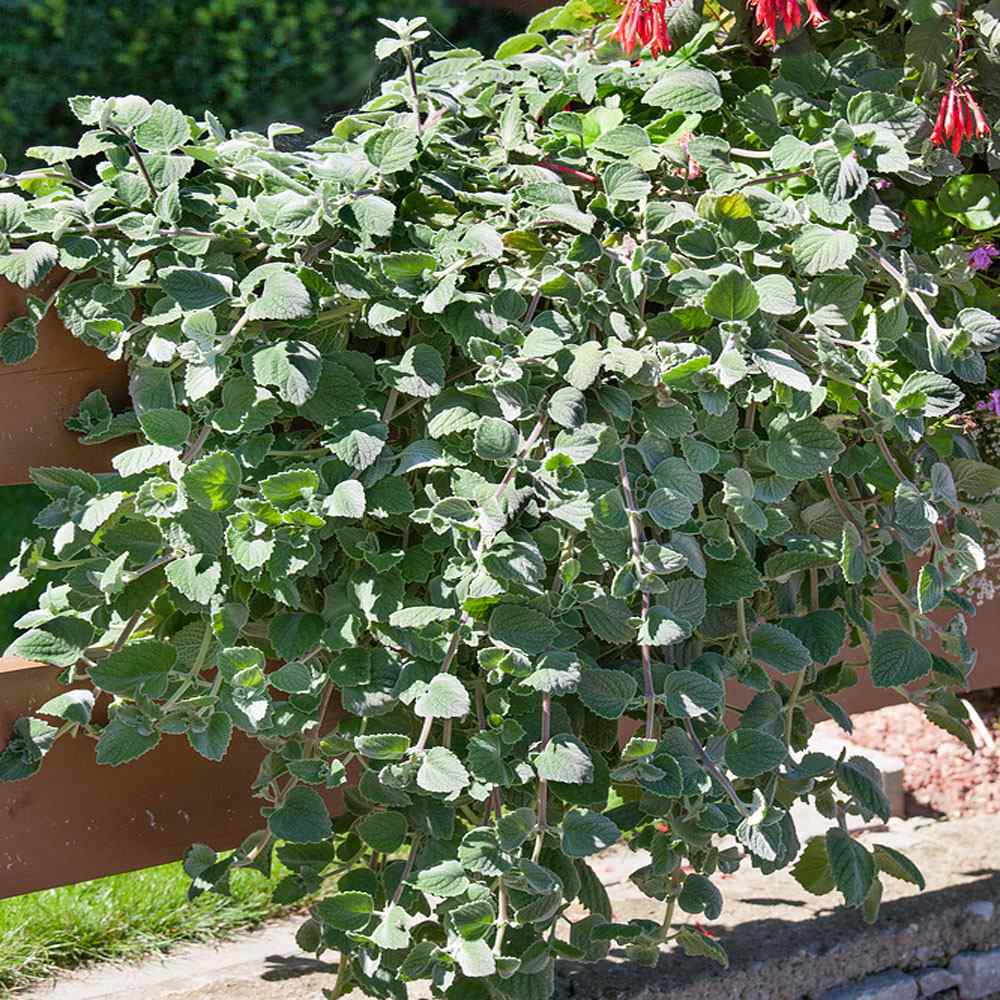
783,943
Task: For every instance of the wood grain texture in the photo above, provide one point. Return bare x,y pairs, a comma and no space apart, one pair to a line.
76,820
38,395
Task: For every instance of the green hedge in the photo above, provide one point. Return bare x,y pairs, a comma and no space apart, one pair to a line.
18,506
250,61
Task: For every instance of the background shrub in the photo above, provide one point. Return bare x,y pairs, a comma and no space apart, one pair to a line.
251,61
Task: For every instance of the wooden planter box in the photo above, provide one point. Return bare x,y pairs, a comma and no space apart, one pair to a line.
76,820
37,396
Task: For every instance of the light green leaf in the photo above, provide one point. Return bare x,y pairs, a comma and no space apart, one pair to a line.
690,695
685,90
384,832
817,249
441,771
346,500
732,296
213,482
801,449
445,698
606,693
120,743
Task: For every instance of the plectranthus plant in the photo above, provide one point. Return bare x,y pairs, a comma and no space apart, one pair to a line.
530,463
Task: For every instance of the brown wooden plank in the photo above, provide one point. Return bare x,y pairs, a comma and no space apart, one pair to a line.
984,636
75,820
38,395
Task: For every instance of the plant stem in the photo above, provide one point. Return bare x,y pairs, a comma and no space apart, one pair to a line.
126,631
845,510
199,660
543,785
560,168
772,178
449,657
715,770
800,675
668,918
411,73
635,529
340,984
452,650
140,162
407,868
194,449
900,280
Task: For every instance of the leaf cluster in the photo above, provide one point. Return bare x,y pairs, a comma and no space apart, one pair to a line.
530,461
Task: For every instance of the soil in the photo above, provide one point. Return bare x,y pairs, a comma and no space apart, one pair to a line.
941,775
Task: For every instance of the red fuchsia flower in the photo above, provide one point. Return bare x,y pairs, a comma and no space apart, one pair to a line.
992,403
643,23
981,259
959,118
767,12
816,16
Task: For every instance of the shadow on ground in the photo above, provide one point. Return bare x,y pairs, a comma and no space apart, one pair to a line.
831,944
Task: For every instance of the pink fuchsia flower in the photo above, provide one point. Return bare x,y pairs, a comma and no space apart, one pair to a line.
643,23
693,169
992,403
959,118
981,259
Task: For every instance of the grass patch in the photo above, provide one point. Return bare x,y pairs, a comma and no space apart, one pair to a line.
122,917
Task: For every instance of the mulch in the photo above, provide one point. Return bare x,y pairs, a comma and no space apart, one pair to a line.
942,776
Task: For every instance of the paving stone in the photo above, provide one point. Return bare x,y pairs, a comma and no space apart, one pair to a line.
981,908
889,766
935,980
887,986
980,972
784,943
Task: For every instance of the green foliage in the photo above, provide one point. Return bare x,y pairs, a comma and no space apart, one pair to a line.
20,505
251,62
489,419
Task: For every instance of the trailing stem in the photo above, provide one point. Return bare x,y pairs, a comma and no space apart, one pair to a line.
715,770
543,785
342,983
635,529
463,620
411,75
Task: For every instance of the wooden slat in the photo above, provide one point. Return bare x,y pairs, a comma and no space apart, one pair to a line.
39,394
76,820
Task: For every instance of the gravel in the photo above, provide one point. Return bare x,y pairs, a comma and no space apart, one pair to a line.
942,777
